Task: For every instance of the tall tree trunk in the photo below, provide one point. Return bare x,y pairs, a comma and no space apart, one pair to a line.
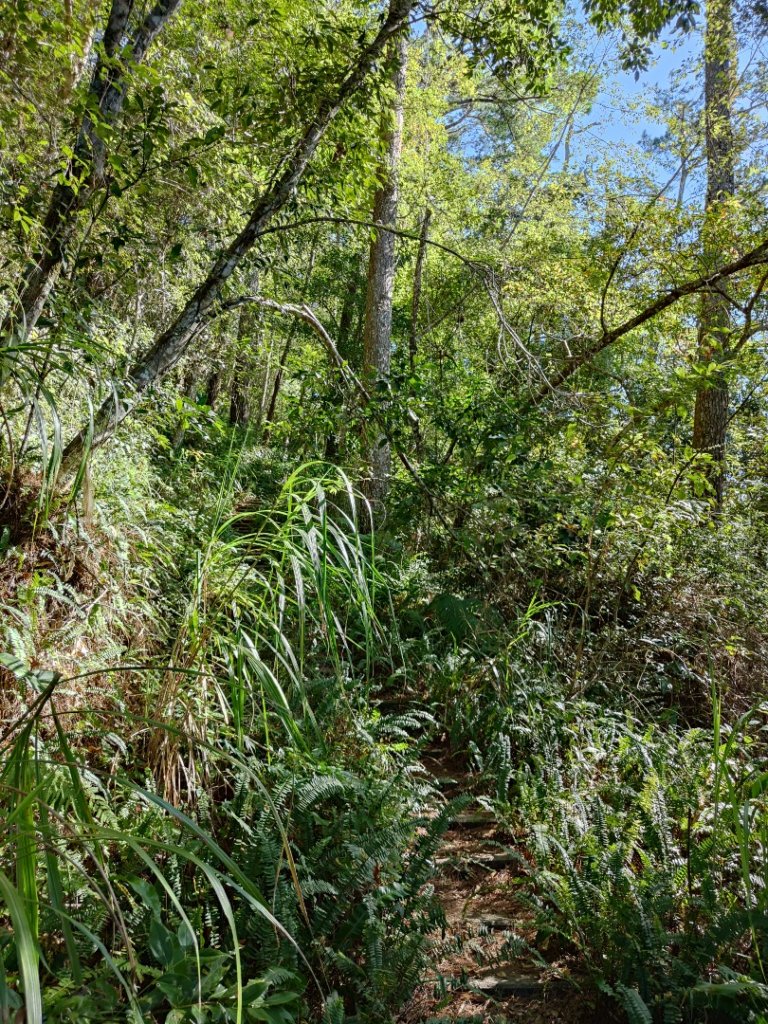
266,379
269,416
239,398
720,74
174,341
87,166
377,329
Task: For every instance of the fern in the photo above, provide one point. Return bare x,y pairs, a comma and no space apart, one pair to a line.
634,1005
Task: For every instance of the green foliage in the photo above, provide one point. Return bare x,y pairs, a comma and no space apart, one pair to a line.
208,815
298,865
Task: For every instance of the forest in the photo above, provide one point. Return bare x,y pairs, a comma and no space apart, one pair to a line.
384,511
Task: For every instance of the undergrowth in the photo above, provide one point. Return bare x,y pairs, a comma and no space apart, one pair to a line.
231,831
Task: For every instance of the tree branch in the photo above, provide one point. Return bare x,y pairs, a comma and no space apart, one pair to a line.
753,258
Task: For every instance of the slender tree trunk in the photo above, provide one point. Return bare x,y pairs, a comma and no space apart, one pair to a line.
720,72
266,377
418,275
377,329
683,181
239,399
269,417
189,393
213,388
242,376
87,166
173,342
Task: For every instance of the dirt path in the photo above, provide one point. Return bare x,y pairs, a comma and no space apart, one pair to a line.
484,969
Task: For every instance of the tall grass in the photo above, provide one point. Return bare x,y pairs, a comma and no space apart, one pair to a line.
74,834
111,864
268,592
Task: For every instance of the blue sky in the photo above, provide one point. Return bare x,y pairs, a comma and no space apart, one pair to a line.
624,125
618,116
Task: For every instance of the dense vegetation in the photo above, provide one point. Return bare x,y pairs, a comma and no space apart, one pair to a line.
355,405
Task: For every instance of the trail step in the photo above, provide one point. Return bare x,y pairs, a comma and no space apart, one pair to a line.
493,922
482,858
474,819
504,981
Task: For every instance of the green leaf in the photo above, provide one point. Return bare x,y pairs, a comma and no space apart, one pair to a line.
26,950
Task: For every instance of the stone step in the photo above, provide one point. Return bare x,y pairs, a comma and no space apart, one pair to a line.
492,922
474,819
481,858
501,982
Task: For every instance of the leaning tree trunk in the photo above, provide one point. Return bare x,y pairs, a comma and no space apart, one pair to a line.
88,163
201,306
710,420
377,330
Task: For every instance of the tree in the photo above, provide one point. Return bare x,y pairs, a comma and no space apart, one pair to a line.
377,329
172,343
506,37
88,164
720,75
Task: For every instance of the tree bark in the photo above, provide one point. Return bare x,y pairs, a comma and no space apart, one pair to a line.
377,329
173,342
87,166
710,419
240,400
